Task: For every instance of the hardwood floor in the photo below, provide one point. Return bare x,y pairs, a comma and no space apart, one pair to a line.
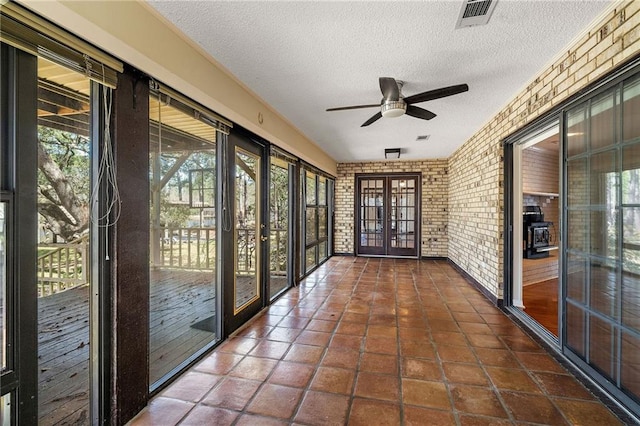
182,320
541,303
178,300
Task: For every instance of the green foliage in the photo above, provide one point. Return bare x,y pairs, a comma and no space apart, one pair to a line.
71,153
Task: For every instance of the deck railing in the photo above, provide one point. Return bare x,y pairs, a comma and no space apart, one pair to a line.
188,248
63,266
195,248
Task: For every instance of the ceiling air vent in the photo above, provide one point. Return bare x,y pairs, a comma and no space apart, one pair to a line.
475,12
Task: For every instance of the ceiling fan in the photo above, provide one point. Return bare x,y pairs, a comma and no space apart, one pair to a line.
393,104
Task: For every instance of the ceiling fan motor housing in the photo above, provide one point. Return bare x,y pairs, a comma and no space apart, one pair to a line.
393,108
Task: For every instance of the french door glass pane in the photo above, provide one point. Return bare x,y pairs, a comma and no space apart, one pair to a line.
247,211
182,287
402,213
371,212
64,191
3,285
279,217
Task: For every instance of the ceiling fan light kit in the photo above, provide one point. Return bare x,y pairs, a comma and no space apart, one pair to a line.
393,104
392,109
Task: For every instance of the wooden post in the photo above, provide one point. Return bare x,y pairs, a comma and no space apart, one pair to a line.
130,248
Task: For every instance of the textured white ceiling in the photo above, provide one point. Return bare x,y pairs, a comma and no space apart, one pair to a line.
303,57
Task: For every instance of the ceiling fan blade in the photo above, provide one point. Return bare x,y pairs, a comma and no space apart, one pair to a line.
353,107
418,112
376,117
389,88
436,94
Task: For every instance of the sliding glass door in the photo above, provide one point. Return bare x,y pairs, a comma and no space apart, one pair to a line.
602,275
281,202
183,298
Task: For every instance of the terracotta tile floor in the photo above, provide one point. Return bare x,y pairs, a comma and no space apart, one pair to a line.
379,342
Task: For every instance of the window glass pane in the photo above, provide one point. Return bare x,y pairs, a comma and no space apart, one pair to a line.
322,249
631,110
578,182
322,191
63,260
631,239
3,285
578,230
576,278
603,178
311,188
576,329
247,212
576,131
322,222
183,236
311,225
631,174
603,288
279,225
603,236
310,257
5,410
601,341
603,121
631,300
630,362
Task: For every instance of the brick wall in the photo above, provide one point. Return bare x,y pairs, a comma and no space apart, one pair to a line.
434,195
540,174
476,193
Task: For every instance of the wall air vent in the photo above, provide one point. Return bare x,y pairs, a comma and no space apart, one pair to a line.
475,12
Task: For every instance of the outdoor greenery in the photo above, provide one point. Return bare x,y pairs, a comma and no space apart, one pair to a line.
64,184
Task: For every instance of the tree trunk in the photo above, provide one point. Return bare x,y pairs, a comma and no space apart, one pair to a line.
69,217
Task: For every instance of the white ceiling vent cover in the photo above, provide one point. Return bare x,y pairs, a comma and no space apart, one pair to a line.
475,12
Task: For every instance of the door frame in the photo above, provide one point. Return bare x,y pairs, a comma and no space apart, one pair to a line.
387,250
18,140
232,319
513,192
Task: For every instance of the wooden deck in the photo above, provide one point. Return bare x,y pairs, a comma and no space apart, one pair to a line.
179,299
